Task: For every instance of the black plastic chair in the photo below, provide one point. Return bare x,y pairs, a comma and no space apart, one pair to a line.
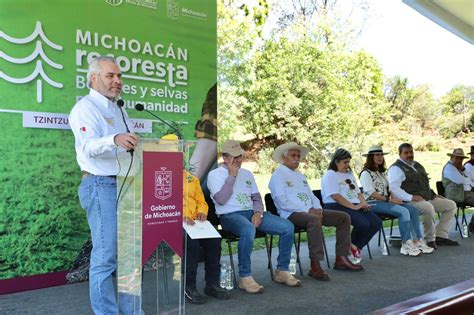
230,237
270,206
460,207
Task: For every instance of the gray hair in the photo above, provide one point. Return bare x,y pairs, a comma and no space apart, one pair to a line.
95,67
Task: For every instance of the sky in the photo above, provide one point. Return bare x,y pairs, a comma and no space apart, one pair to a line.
408,44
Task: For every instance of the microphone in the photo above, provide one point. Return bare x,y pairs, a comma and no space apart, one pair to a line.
139,107
120,104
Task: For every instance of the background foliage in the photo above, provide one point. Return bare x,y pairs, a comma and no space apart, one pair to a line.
293,74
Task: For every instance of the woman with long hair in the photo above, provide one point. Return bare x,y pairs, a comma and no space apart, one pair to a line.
340,192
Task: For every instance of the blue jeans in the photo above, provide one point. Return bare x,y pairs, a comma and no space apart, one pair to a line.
408,218
240,224
97,195
365,224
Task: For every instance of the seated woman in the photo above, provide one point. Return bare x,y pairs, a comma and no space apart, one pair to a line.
375,186
340,192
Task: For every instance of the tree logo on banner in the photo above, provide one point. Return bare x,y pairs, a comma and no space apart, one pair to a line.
114,2
39,71
172,9
163,182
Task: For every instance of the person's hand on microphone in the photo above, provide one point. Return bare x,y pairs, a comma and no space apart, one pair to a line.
128,141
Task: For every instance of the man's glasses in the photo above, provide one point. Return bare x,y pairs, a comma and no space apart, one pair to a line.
351,185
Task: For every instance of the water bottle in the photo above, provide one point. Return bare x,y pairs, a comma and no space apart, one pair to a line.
465,232
230,279
384,249
292,265
223,277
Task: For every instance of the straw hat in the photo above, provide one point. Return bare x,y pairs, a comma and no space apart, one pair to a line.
458,152
375,149
281,149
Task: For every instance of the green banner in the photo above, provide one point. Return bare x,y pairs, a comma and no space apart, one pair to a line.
166,50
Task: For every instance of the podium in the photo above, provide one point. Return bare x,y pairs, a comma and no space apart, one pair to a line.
149,219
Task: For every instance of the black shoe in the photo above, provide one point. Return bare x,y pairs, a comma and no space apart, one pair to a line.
432,244
217,292
441,241
193,296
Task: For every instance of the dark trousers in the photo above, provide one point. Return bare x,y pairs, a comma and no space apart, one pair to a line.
365,224
313,224
212,258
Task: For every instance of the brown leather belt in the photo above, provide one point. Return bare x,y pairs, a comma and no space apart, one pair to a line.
85,174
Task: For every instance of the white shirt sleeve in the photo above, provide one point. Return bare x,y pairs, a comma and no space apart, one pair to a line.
277,189
367,184
451,173
469,171
215,181
330,184
86,127
395,179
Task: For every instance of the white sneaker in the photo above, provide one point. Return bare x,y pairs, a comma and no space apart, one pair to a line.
410,249
425,249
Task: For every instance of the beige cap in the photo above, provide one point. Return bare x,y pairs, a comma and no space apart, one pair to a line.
281,149
232,147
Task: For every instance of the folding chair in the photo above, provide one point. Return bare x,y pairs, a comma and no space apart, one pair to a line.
230,237
460,206
270,206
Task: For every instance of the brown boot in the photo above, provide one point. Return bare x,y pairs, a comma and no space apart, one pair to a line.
343,263
317,272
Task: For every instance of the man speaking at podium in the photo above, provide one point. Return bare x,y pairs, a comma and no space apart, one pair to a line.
101,131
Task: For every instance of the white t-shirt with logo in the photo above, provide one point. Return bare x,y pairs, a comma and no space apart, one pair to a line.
335,183
291,192
243,189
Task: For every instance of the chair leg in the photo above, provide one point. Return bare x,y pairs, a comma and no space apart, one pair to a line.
458,226
368,249
297,250
464,219
384,240
232,262
165,275
270,249
269,256
380,235
326,251
391,227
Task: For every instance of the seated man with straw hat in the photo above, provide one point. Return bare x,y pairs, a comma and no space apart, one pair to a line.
296,202
195,208
240,209
457,185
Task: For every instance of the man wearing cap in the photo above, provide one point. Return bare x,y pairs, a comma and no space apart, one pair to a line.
240,210
296,202
457,185
409,182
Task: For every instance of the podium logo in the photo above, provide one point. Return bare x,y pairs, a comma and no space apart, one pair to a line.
172,9
163,184
114,2
38,73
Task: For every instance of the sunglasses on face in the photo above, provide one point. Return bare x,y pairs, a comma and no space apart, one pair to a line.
351,185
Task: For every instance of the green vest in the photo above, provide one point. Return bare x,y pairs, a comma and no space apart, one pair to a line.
416,183
452,190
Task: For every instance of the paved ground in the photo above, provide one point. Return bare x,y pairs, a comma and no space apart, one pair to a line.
386,280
